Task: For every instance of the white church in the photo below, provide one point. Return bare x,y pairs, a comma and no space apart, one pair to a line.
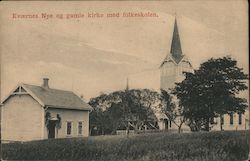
171,71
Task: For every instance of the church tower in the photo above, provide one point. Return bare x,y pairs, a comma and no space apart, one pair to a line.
174,64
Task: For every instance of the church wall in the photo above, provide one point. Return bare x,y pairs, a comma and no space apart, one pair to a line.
228,126
171,73
168,75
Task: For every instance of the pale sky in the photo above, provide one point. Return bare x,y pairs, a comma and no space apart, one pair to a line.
89,56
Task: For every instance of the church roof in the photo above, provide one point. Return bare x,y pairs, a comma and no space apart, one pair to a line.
176,51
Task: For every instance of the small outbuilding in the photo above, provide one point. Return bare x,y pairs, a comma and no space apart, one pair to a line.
38,112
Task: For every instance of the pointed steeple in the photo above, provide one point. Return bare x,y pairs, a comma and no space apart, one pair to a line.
176,51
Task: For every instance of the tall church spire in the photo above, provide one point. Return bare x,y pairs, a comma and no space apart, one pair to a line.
174,64
176,51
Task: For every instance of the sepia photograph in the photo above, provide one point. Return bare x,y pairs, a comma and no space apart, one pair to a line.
124,80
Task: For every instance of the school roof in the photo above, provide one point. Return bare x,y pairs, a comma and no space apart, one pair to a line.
55,98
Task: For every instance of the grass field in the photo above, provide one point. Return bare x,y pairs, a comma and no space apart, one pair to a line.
213,146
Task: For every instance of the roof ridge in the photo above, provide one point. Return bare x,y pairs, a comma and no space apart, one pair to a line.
48,88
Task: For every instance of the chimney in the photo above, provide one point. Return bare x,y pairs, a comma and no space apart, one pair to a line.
45,83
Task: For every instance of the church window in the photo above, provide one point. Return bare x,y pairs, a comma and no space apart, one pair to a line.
231,118
222,119
240,118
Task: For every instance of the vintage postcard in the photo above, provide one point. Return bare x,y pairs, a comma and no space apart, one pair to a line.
125,80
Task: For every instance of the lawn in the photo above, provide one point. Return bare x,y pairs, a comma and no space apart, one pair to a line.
213,146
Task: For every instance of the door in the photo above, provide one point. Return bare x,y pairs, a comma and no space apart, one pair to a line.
52,131
166,124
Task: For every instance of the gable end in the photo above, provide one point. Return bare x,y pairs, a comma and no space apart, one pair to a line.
22,90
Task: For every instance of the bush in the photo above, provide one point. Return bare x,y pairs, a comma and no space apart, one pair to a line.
213,146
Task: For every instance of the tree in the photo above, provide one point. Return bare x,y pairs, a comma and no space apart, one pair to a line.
97,117
211,91
123,109
172,110
139,105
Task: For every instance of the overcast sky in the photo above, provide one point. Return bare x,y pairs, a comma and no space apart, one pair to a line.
89,56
